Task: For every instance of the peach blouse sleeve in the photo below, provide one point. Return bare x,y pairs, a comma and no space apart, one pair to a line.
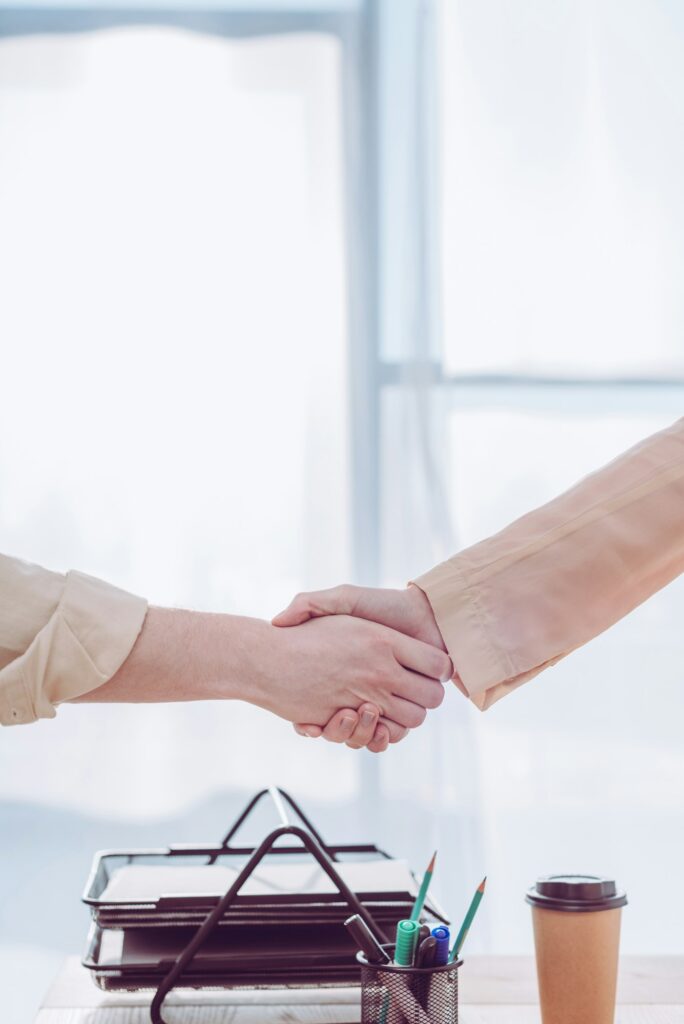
60,636
521,600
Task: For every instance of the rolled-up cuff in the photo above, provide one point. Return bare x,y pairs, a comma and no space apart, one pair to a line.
83,644
483,669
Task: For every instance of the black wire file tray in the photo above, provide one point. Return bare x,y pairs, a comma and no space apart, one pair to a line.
230,916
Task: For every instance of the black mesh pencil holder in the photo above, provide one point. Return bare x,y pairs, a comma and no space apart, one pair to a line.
408,995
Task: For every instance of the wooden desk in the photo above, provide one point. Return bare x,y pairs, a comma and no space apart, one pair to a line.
494,990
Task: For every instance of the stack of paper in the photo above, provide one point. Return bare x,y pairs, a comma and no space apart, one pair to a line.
286,926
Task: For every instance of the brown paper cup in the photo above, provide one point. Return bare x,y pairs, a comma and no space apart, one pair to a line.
576,923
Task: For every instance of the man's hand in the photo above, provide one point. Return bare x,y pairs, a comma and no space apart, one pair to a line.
408,611
302,674
338,661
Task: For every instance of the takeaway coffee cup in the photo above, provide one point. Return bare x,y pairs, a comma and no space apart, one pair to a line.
576,922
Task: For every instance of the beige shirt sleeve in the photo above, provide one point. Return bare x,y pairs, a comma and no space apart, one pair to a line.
60,636
518,602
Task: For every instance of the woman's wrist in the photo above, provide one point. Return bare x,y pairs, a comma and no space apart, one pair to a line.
422,612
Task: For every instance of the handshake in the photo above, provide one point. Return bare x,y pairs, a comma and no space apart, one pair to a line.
362,666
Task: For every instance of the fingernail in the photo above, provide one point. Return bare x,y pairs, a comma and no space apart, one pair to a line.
347,724
367,718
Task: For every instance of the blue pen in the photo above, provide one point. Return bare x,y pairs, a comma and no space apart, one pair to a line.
441,954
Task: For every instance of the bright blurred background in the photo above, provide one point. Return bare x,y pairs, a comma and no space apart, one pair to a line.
293,293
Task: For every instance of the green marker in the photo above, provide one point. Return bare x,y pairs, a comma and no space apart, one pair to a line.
422,892
468,920
385,1008
407,940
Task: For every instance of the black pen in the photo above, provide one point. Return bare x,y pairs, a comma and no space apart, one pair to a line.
426,952
423,934
366,941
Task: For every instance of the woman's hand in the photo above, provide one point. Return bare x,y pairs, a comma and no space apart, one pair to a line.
407,610
363,727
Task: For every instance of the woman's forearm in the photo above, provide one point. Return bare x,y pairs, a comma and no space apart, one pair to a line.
517,602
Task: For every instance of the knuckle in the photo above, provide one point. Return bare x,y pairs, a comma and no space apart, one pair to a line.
374,646
436,697
382,642
397,733
335,731
379,676
418,716
373,675
441,665
339,599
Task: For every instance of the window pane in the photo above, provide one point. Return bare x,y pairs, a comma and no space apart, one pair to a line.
171,256
563,220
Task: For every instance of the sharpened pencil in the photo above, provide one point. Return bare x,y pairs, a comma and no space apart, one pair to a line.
468,920
422,892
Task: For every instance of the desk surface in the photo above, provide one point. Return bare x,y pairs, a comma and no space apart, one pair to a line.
494,990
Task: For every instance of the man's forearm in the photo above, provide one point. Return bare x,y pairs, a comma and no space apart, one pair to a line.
183,655
302,674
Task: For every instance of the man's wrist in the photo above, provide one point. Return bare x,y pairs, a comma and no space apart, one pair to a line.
238,657
186,656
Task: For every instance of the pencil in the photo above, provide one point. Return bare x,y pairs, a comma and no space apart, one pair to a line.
468,920
422,892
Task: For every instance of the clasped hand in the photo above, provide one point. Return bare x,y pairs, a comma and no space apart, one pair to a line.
381,655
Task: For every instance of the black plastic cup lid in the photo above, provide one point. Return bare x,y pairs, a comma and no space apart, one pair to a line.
575,893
